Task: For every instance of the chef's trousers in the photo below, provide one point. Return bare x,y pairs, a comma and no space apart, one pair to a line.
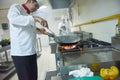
26,67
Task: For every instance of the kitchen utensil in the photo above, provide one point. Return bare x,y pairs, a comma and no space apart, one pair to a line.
64,39
88,78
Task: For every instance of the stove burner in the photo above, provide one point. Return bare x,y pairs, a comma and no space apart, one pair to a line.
69,46
92,43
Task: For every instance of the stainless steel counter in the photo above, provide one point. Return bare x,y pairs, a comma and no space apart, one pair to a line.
91,57
95,59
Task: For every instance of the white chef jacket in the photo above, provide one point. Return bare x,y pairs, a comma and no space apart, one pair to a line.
22,31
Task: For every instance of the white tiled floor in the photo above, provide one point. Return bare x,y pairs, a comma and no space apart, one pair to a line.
46,62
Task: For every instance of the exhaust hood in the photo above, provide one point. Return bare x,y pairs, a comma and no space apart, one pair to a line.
57,4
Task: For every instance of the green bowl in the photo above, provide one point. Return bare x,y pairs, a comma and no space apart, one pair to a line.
88,78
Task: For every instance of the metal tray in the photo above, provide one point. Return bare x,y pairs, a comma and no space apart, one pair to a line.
6,66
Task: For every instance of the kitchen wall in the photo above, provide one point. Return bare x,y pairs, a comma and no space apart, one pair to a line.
88,10
3,19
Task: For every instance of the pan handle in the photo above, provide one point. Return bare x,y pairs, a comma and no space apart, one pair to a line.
50,31
52,34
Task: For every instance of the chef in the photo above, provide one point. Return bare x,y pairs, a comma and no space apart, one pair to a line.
23,38
62,27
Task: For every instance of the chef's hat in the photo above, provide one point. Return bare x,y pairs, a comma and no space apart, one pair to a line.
40,2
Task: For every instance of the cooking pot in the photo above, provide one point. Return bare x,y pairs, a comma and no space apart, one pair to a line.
65,39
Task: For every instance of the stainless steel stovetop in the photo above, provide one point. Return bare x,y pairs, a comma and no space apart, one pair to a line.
94,51
87,44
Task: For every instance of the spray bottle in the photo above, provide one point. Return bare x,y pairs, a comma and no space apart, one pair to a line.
58,62
117,30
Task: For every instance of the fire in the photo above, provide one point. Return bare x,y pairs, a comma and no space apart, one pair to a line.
68,46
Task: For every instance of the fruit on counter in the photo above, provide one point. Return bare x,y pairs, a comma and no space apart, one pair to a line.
104,73
113,72
95,67
109,73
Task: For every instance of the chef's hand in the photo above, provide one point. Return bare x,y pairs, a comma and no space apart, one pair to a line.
42,30
41,21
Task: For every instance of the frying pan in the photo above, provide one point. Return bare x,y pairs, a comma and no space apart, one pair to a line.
64,39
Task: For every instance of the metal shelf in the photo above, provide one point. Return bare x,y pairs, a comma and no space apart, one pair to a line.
6,64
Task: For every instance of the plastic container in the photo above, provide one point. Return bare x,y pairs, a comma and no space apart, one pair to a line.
88,78
58,62
117,30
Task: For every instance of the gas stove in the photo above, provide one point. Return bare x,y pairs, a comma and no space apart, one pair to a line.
83,45
102,55
88,52
71,52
